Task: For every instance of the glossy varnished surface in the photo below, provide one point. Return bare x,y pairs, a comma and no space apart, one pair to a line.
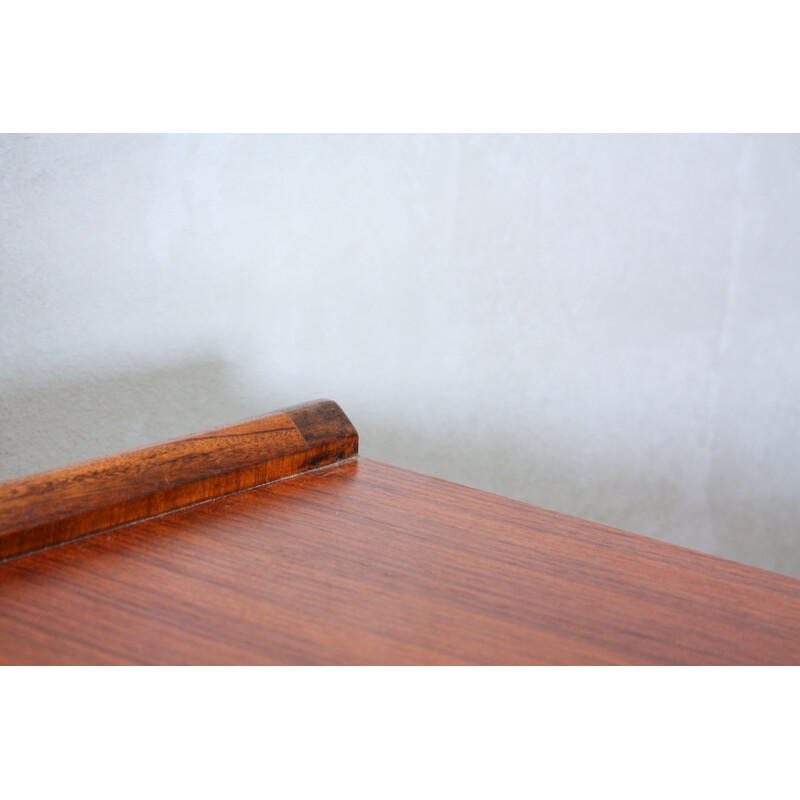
365,563
67,503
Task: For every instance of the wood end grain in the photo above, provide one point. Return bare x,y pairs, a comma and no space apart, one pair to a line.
60,505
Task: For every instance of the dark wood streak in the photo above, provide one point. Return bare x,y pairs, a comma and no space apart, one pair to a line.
363,563
69,503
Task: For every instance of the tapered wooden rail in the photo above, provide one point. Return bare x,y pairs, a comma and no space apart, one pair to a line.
356,563
64,504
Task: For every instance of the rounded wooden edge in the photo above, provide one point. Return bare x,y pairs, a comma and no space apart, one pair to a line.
67,503
321,420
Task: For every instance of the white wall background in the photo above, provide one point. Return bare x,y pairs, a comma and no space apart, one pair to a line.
608,326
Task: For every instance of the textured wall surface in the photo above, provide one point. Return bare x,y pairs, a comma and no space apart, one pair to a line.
608,326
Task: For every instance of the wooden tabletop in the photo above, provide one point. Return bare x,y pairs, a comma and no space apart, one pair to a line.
358,562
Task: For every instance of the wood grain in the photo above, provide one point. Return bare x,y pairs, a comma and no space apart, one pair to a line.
63,504
363,563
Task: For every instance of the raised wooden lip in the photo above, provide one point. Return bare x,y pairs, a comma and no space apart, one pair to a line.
67,503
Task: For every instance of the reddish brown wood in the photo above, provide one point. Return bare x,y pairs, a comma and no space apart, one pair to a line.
363,563
64,504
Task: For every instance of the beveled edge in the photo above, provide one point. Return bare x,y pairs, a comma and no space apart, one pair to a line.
67,503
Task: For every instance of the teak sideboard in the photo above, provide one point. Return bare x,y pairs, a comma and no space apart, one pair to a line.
272,542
